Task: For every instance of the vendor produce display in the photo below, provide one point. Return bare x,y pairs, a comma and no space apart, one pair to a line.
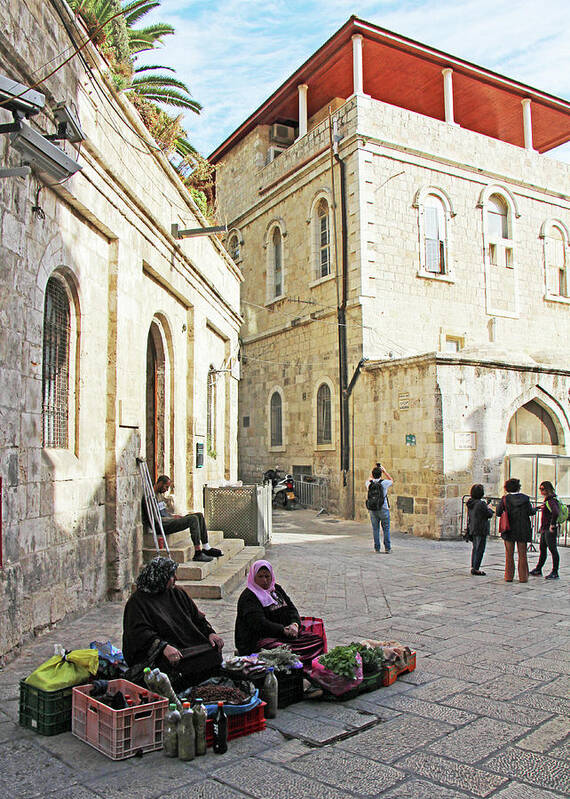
211,694
281,658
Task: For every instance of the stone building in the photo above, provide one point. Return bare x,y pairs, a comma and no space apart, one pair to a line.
116,338
404,245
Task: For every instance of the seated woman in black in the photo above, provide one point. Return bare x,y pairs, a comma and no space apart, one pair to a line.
267,618
163,627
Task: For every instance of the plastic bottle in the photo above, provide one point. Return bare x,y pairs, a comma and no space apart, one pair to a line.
200,718
164,688
149,680
270,692
170,738
186,734
220,730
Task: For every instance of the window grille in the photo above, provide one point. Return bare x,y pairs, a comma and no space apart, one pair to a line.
434,236
276,420
234,248
323,240
277,263
55,374
324,426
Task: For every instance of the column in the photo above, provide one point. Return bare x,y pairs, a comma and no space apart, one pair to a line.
527,123
357,73
448,95
302,89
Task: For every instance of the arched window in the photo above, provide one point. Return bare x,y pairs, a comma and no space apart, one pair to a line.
532,424
498,222
322,240
324,419
276,420
435,238
233,247
555,253
56,365
211,412
277,260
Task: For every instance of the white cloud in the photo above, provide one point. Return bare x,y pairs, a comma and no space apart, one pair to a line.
234,53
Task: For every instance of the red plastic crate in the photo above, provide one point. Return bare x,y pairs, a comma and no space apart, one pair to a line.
119,733
391,673
240,724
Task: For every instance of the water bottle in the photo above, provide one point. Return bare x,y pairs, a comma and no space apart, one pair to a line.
220,730
269,693
186,734
149,680
164,688
170,739
200,718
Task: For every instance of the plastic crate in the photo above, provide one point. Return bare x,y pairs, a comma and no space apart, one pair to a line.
290,685
119,733
46,712
391,673
240,725
370,682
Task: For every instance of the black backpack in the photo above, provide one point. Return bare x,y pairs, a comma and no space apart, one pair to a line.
376,496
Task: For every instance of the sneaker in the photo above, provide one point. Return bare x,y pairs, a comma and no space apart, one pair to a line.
201,557
213,552
536,572
388,551
552,576
477,571
378,551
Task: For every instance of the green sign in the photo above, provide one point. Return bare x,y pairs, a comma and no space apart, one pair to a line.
410,440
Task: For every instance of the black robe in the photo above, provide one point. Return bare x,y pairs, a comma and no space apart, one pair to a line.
151,621
255,622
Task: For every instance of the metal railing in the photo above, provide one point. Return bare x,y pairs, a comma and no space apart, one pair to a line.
312,491
563,535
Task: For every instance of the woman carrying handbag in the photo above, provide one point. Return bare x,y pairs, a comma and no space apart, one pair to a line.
514,512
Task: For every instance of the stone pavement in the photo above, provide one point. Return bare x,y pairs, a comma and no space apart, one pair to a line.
485,714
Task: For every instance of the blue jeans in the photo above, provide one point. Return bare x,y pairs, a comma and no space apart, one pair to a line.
380,517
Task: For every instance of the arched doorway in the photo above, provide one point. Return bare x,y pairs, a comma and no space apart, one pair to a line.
535,448
156,401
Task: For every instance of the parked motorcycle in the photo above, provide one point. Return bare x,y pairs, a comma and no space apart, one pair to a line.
283,493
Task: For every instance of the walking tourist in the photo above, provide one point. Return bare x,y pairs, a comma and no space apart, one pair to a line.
378,507
519,532
478,515
549,529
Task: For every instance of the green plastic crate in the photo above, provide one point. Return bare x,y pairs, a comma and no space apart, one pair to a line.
46,712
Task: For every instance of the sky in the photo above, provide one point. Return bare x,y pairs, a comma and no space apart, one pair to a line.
234,53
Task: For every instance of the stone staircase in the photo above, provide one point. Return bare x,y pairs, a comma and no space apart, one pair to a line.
212,580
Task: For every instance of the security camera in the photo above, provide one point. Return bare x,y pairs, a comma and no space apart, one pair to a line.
68,126
17,98
40,153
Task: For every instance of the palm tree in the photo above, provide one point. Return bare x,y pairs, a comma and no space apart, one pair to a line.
163,88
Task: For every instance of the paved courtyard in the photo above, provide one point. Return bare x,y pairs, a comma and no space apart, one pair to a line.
485,714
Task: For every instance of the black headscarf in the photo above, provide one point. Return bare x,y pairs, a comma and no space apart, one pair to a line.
154,577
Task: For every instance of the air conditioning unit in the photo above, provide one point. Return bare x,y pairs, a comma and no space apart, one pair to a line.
282,134
273,152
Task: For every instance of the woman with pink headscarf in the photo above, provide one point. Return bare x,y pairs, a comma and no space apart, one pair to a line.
267,618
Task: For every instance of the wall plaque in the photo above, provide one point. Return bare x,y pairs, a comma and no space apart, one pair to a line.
465,440
410,440
404,401
405,504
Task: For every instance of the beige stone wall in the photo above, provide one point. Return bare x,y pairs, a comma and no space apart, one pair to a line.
399,315
71,517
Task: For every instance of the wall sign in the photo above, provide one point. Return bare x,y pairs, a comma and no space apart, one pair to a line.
405,504
404,401
410,440
465,440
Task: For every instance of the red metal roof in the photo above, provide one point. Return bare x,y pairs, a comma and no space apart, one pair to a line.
407,74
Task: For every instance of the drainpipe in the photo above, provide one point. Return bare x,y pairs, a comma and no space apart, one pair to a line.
349,390
341,315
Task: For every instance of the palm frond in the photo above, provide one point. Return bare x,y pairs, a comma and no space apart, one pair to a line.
159,80
153,66
137,9
168,97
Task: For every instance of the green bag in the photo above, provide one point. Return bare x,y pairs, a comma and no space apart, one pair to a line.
61,671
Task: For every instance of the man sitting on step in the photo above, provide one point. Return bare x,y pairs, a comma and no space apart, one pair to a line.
195,522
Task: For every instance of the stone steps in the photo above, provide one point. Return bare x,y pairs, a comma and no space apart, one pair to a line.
224,580
212,580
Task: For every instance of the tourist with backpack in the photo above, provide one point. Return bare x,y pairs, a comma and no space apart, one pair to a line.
554,513
377,487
